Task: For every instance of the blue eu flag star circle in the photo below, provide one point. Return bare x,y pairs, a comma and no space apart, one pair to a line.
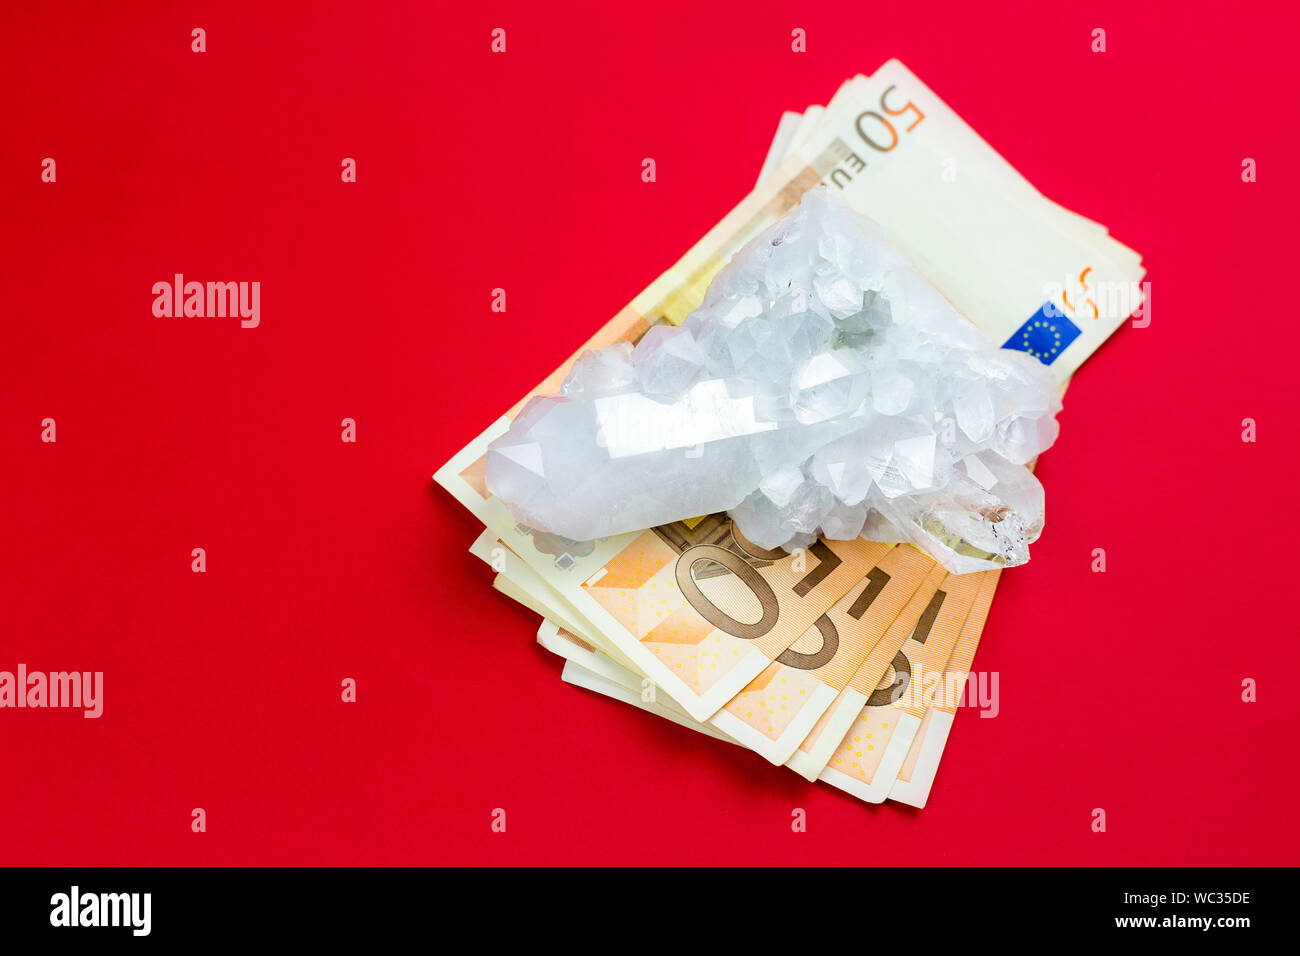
1045,334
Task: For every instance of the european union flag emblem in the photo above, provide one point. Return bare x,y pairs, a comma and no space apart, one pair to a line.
1045,334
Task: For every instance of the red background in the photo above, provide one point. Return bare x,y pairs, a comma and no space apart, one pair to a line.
327,560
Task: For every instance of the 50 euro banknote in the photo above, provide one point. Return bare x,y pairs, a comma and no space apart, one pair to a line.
952,204
916,775
958,139
867,758
876,675
776,711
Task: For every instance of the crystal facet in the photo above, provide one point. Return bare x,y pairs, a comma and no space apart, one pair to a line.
823,387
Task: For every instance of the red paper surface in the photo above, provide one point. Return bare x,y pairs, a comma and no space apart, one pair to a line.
326,560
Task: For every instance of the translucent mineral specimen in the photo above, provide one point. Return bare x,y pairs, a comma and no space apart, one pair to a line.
823,387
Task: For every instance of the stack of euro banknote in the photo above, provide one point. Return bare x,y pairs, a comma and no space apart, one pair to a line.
847,661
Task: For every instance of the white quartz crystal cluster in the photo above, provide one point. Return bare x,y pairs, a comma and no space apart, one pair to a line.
823,387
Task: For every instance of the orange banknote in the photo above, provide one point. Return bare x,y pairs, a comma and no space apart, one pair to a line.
869,755
775,711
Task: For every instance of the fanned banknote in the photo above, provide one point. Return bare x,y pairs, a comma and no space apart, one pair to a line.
867,758
776,710
916,775
872,676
